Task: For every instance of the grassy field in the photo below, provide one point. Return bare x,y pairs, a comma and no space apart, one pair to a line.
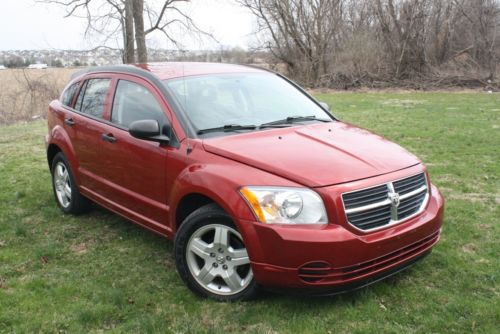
98,272
24,94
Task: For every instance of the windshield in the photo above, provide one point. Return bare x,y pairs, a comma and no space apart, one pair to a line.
243,101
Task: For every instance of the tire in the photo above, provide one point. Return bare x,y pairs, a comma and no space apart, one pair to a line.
66,192
211,257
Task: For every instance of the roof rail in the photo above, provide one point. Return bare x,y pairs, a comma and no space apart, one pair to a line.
112,68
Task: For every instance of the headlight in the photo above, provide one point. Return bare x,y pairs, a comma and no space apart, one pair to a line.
283,205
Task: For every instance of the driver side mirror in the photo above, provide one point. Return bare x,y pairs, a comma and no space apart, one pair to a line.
148,129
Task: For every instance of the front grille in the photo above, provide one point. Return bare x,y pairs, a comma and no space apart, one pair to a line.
409,184
408,207
386,204
371,218
365,197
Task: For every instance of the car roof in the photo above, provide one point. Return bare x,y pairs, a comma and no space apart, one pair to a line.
171,70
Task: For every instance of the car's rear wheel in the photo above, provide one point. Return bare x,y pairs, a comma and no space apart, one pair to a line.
66,192
211,256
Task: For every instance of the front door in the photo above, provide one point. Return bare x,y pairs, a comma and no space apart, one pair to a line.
134,170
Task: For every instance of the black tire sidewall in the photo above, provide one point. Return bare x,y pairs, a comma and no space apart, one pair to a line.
206,215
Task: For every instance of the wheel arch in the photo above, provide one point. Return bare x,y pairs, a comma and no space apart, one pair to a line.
60,142
52,150
196,187
217,182
188,204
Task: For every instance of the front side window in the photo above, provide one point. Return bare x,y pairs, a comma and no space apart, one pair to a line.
219,100
134,102
92,97
68,94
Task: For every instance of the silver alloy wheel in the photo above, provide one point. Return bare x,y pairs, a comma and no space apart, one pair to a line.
62,184
218,259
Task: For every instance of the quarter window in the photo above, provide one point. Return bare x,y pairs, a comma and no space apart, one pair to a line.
92,97
68,94
134,102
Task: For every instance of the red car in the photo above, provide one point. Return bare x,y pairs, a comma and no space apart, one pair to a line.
255,180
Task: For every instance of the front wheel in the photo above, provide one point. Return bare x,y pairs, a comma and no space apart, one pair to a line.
211,256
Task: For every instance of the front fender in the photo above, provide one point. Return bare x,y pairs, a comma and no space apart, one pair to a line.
214,182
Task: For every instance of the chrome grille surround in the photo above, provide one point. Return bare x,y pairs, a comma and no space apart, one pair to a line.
386,204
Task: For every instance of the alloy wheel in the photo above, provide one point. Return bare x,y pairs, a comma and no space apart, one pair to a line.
62,184
218,259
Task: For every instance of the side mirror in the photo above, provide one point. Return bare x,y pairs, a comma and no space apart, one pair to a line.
148,129
325,106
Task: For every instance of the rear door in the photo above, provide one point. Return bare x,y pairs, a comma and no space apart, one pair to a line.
87,120
135,169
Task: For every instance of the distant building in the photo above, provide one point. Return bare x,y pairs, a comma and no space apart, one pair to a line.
38,66
2,67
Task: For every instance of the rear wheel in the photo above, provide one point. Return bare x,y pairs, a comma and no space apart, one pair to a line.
66,192
211,256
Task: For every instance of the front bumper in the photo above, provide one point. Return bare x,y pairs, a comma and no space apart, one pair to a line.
336,258
330,290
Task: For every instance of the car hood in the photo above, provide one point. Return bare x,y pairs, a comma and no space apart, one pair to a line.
315,155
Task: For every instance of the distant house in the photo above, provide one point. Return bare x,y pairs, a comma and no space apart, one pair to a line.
2,67
38,66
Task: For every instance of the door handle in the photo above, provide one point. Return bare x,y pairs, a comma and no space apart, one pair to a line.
69,121
108,137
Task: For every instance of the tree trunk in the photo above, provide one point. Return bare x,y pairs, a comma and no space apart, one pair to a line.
128,41
140,38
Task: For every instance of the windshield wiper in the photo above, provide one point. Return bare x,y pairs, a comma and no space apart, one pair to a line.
278,123
293,119
227,128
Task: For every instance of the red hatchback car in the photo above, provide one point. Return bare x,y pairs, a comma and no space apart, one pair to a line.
255,180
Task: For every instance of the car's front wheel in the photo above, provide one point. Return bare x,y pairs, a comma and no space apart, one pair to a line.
66,192
211,256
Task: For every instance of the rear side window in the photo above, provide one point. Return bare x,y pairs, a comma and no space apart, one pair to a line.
68,94
134,102
92,97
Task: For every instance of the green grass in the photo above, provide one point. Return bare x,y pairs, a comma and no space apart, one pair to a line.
98,272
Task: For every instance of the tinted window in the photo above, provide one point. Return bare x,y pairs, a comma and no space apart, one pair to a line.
68,94
134,102
92,97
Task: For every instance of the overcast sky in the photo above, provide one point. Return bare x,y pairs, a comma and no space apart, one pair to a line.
26,24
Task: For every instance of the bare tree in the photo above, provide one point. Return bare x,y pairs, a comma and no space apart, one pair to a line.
302,33
140,36
481,19
404,30
349,42
110,18
127,23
